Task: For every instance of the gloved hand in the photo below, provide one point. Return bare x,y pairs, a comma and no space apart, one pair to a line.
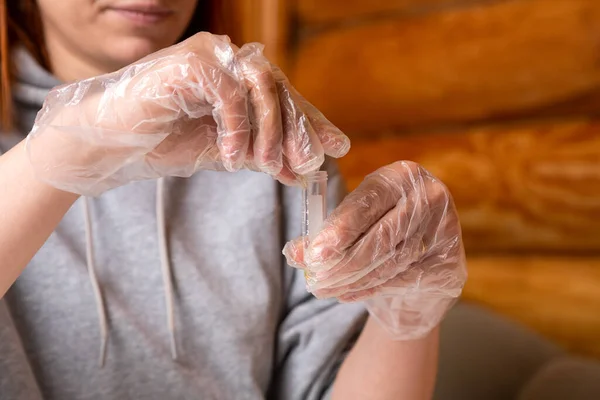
201,104
396,242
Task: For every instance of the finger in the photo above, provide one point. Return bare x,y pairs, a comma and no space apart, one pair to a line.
437,275
435,236
265,109
233,128
301,147
227,93
361,209
346,281
444,228
400,285
432,277
294,253
381,240
190,146
415,228
154,93
335,143
287,177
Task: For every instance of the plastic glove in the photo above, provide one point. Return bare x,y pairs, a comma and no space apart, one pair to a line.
396,242
201,104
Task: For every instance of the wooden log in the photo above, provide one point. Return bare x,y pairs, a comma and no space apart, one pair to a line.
556,296
311,12
469,64
519,188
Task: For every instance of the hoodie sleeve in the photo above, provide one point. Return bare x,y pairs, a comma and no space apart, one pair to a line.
314,335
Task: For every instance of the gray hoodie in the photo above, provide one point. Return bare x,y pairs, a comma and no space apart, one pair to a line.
190,268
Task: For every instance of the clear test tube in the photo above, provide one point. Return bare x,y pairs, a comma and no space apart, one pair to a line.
315,205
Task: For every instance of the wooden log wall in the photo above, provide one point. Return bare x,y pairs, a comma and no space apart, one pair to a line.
526,187
473,63
498,98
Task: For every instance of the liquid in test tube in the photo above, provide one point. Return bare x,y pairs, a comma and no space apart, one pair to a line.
315,204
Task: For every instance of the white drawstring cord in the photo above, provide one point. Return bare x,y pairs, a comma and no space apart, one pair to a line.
167,276
99,299
165,264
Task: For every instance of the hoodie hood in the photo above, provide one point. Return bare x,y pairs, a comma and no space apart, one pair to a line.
30,88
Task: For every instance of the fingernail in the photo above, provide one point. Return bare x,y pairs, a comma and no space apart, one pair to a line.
344,147
271,167
310,165
340,145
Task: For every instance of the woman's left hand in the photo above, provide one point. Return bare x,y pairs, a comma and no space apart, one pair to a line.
396,242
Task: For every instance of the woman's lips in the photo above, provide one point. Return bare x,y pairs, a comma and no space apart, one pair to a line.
143,15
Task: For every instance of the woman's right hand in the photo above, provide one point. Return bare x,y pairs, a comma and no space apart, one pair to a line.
201,104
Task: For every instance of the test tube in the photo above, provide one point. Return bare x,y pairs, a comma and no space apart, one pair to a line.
315,205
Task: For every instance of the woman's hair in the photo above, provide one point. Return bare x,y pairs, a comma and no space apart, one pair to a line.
20,24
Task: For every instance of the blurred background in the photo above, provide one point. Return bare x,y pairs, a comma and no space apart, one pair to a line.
499,99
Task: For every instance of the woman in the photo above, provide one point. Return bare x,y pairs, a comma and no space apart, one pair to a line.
185,274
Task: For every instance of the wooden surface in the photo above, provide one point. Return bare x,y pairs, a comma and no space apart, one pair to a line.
532,187
556,296
467,64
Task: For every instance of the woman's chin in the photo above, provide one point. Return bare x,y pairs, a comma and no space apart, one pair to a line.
127,51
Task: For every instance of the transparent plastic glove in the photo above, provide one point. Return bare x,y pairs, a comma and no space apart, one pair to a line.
395,242
201,104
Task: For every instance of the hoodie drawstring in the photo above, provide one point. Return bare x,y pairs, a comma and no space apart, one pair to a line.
165,267
99,299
